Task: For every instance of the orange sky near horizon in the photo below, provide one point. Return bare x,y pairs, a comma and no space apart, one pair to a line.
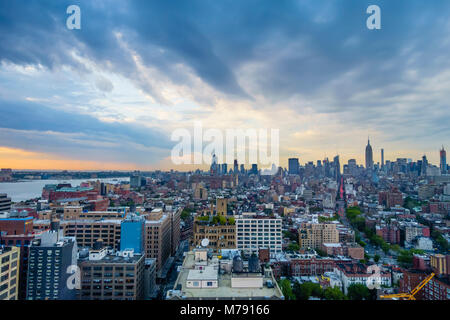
19,159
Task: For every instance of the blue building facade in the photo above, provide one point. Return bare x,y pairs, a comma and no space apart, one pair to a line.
132,234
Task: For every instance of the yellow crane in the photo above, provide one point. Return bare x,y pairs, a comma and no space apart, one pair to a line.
410,296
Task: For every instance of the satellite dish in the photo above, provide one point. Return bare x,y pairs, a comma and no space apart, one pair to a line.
205,242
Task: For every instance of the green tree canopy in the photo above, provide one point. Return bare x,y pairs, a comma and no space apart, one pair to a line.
358,292
334,294
303,291
293,246
285,286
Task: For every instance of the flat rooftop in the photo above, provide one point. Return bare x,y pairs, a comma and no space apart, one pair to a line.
113,259
224,289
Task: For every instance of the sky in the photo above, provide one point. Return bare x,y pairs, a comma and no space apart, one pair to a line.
110,95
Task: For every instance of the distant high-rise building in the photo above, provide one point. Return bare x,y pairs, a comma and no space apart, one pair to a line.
369,156
293,166
424,165
235,167
352,167
135,180
214,166
337,168
224,168
382,158
254,169
443,158
242,169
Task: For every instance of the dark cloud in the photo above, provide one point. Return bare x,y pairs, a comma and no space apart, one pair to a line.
214,38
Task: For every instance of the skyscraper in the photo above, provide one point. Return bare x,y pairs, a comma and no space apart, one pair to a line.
382,158
337,168
213,168
369,156
224,168
424,165
443,157
293,166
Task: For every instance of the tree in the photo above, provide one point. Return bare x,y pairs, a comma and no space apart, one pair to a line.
440,240
185,214
290,235
303,291
231,221
286,288
293,246
358,292
405,257
222,220
376,258
334,294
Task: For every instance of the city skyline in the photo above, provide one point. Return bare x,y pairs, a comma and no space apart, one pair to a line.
109,96
284,163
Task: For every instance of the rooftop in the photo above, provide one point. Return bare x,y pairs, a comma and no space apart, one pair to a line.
114,258
224,289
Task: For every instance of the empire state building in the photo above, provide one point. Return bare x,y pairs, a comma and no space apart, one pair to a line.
369,156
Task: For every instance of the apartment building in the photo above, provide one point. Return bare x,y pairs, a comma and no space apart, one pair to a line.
78,212
438,288
258,231
352,250
157,237
51,256
358,273
219,236
108,276
175,222
16,231
9,272
87,232
313,235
